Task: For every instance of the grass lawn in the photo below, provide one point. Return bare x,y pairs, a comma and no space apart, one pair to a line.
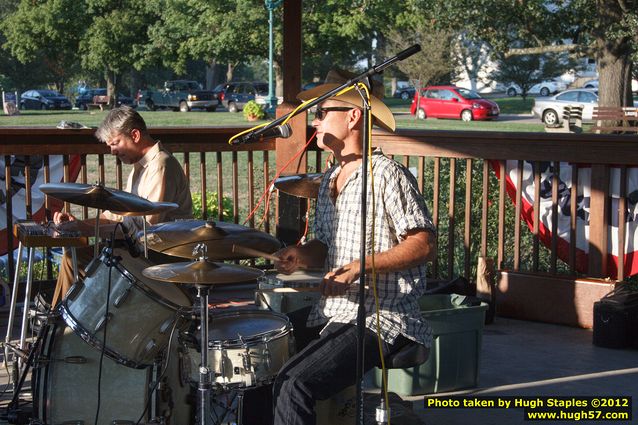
223,118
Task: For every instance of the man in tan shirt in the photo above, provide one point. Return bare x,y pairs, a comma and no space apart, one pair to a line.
157,176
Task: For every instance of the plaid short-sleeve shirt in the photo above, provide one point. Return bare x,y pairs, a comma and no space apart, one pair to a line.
399,207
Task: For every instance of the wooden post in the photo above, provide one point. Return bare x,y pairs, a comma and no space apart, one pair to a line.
598,220
291,210
485,285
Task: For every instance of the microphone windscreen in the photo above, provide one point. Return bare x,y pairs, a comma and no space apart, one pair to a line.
286,131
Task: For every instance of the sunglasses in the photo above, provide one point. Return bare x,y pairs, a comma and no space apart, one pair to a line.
320,113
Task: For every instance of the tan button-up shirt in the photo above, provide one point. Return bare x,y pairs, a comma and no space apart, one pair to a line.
158,177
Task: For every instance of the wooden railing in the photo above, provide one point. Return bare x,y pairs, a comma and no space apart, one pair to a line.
470,205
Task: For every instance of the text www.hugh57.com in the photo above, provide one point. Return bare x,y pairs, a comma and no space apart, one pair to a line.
560,408
582,415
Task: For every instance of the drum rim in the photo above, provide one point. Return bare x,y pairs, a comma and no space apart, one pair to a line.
149,292
90,339
258,337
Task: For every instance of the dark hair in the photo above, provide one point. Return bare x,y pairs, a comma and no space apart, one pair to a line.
122,119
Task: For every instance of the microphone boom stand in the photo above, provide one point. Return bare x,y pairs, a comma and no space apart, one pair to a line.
361,313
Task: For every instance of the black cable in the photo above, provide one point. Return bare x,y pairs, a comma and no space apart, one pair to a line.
110,263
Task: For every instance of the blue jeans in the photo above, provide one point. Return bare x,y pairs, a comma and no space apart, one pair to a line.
322,369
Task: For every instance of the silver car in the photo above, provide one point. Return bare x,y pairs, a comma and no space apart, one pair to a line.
550,109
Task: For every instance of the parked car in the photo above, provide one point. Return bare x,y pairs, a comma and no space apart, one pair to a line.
593,84
181,95
220,91
550,110
44,99
237,94
544,88
404,93
87,97
453,102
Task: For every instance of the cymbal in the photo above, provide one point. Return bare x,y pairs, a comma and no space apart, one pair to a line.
301,185
179,238
202,273
157,207
103,198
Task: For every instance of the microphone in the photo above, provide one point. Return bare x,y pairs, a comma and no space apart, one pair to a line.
279,131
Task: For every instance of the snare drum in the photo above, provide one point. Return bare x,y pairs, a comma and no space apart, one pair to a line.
65,383
141,312
268,297
246,348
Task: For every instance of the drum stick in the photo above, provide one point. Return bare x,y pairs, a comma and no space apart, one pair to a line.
289,290
239,249
297,289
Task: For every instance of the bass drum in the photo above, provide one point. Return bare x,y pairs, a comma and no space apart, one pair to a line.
65,383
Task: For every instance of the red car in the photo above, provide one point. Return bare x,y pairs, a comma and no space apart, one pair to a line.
452,102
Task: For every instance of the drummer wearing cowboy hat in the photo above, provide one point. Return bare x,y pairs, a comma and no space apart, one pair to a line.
403,242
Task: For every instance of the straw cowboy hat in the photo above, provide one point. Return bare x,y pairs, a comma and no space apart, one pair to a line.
381,114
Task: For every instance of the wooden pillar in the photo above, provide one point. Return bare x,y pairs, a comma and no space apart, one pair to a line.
598,220
291,210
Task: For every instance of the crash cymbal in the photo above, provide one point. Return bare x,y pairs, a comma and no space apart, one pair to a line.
179,238
202,273
301,185
103,198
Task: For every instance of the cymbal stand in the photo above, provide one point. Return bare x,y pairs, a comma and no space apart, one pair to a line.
96,249
204,387
145,240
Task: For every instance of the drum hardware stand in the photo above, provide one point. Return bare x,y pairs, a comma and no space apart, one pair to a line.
204,386
15,415
31,235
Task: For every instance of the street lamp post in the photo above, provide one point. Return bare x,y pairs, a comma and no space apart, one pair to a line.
271,5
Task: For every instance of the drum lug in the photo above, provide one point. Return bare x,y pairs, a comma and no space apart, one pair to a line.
150,346
120,298
245,358
167,325
267,356
103,321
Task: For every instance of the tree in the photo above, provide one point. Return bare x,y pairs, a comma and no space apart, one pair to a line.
114,41
528,70
608,29
433,62
470,56
215,31
47,32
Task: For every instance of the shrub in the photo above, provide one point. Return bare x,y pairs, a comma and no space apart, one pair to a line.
253,111
212,201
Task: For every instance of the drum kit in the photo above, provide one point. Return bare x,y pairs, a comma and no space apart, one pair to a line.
123,347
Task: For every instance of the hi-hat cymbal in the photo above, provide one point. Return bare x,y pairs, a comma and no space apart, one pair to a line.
301,185
202,273
179,238
103,198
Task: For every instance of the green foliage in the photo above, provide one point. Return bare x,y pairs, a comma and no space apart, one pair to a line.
433,63
212,30
47,34
528,70
252,110
212,207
